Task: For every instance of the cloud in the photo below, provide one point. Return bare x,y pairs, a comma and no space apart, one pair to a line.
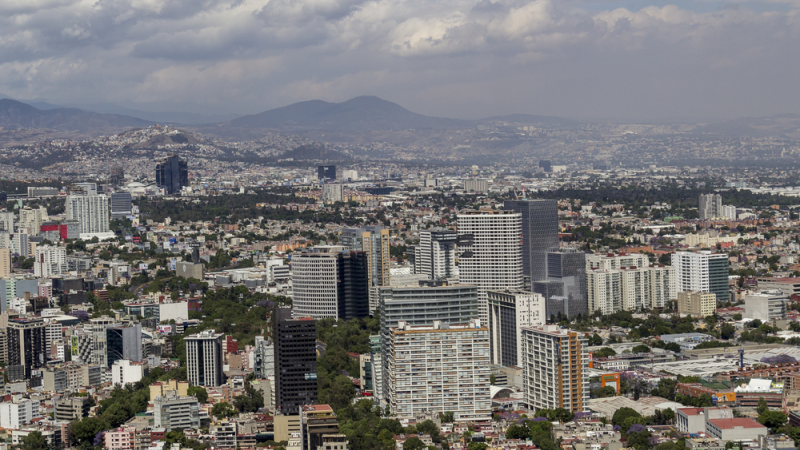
463,58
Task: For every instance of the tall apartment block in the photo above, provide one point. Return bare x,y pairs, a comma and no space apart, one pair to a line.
435,256
438,368
7,222
630,288
420,306
330,281
32,219
204,359
332,192
90,211
539,234
172,174
27,347
491,252
710,206
702,271
295,361
5,262
509,311
49,261
554,366
374,241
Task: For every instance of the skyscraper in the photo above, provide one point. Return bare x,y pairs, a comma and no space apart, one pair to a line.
710,206
204,359
123,342
554,365
91,212
32,218
568,267
539,234
435,255
121,205
330,281
491,252
702,271
509,311
27,346
5,262
326,173
49,261
295,361
172,174
374,241
7,222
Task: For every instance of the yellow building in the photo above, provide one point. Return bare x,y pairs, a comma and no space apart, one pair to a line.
160,389
697,304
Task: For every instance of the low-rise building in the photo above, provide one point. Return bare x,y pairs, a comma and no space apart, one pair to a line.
174,412
735,429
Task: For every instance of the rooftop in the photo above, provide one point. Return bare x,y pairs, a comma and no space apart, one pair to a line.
738,422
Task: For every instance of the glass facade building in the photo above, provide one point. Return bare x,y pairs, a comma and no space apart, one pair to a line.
539,234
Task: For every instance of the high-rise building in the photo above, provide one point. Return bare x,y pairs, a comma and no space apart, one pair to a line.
555,362
91,212
539,234
5,262
173,412
568,268
7,222
332,192
612,261
491,254
476,185
454,362
545,165
710,206
509,311
121,206
32,219
27,347
326,173
729,212
316,421
374,241
697,304
295,361
123,342
86,188
702,271
330,281
630,288
435,256
604,291
117,177
49,261
172,174
204,359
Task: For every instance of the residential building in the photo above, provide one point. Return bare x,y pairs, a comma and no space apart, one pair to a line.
613,261
539,225
122,438
315,422
788,285
91,212
604,291
330,281
295,361
224,433
374,241
509,311
612,287
172,174
204,359
15,414
454,361
121,205
71,408
435,255
124,371
554,364
710,206
7,222
5,263
766,305
491,252
697,304
173,412
476,185
702,271
123,342
27,348
332,192
32,219
49,261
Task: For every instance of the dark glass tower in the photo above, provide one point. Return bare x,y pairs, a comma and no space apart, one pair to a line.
539,234
326,172
295,361
568,267
353,285
26,347
124,343
172,174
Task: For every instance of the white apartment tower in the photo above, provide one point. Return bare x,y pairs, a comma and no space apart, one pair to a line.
204,359
509,312
710,206
604,289
32,218
702,271
49,261
435,255
91,212
490,246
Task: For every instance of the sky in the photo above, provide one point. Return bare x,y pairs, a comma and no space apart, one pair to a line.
589,59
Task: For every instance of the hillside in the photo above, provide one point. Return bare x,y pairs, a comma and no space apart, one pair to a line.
786,125
17,115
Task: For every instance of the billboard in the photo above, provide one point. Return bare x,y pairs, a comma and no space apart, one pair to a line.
173,264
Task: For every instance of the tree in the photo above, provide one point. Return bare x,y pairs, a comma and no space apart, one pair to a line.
517,432
727,331
622,414
414,443
447,417
175,436
772,419
604,352
224,410
641,348
607,391
34,441
595,339
762,406
85,430
477,446
199,393
737,316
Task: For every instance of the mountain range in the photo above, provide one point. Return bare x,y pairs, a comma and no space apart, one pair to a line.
16,115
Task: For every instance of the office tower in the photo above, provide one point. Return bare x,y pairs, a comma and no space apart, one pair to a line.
3,196
421,305
332,192
172,174
702,271
326,173
554,366
7,222
121,206
117,177
316,421
91,212
330,281
509,311
438,368
545,165
766,305
42,191
491,254
435,255
539,234
710,206
568,267
32,219
374,241
5,262
295,361
27,348
697,304
123,342
49,261
204,359
264,358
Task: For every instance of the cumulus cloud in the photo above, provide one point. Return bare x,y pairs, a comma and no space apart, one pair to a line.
465,58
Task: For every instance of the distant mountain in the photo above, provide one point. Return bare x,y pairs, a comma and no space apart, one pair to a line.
169,117
780,125
16,115
357,114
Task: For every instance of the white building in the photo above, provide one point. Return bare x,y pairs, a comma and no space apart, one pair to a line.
435,255
710,206
632,288
125,371
349,175
509,311
174,412
332,192
476,185
204,359
555,362
729,212
32,218
613,261
604,289
91,212
314,282
17,413
453,361
7,222
49,261
766,305
702,271
490,246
